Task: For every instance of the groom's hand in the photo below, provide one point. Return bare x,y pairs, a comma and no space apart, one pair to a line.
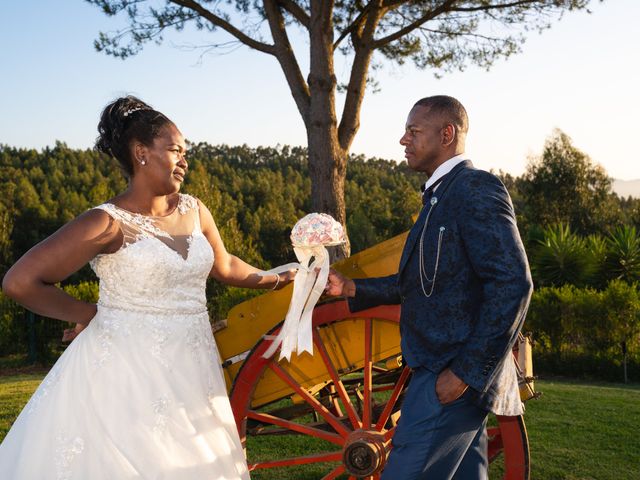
449,387
339,286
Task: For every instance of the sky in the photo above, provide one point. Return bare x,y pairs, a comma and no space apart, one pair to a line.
581,76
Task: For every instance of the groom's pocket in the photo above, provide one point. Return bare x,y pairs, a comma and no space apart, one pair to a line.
442,250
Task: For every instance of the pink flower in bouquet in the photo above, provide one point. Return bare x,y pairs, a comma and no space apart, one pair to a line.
317,229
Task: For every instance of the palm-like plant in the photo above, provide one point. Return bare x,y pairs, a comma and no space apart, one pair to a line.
561,258
598,249
623,254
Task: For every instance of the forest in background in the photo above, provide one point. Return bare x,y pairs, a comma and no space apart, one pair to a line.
581,237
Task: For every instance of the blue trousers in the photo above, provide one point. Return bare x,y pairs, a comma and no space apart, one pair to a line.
434,441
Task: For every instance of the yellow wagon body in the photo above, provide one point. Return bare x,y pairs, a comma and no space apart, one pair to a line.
249,321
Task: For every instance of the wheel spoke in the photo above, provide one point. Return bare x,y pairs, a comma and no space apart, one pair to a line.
344,396
317,406
335,402
296,427
334,473
289,462
388,435
382,421
366,407
382,388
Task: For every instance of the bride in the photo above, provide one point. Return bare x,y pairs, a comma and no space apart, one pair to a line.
139,394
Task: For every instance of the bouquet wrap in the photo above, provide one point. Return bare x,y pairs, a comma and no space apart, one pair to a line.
310,236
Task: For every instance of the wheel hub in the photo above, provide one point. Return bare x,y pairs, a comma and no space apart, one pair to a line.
364,453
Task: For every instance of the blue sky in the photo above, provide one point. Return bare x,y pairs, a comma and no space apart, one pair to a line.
581,76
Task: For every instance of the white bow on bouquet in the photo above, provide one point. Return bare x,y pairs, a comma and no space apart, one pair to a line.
310,236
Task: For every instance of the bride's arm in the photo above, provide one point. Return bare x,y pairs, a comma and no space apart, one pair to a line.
232,270
31,281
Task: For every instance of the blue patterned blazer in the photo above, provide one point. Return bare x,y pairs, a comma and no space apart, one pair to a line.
467,312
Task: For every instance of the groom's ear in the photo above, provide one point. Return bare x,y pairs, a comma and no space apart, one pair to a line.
448,134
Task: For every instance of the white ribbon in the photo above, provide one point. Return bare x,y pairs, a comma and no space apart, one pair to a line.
296,334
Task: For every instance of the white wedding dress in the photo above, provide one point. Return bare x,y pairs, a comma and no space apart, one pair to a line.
140,393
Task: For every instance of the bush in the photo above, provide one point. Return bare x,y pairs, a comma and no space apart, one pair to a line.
13,338
22,331
589,366
582,331
85,291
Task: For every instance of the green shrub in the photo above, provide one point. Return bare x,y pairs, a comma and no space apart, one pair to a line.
623,254
86,291
581,331
24,332
12,326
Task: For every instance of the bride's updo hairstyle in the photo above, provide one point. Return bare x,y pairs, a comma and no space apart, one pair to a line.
124,120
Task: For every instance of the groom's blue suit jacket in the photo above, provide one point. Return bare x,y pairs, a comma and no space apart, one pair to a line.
481,288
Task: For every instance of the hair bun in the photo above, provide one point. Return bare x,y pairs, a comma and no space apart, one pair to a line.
112,122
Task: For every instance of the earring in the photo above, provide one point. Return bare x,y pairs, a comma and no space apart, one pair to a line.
143,162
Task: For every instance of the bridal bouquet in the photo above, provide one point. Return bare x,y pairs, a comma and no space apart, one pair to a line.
310,236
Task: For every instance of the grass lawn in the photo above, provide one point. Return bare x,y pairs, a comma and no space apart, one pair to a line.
577,431
15,391
585,431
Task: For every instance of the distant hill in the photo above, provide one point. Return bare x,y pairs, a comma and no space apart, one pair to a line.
626,188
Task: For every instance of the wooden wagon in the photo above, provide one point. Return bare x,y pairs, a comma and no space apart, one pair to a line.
335,412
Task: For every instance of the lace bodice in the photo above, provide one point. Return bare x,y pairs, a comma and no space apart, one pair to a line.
155,271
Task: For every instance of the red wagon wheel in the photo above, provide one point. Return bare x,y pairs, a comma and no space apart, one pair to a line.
336,412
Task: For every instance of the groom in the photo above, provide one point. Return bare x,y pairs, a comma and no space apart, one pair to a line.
464,286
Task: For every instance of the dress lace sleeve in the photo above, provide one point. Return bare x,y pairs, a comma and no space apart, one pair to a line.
187,203
130,230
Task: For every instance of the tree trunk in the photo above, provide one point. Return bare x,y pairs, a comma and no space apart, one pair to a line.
327,169
327,160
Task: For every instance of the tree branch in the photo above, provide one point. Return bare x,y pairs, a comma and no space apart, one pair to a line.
355,25
392,4
444,8
350,121
381,42
284,53
520,3
226,26
296,10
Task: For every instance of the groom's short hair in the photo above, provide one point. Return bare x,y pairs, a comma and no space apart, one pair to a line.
448,108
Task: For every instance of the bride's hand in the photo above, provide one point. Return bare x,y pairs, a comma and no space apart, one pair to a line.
70,333
286,278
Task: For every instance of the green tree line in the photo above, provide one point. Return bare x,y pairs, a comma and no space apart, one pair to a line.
576,230
255,195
